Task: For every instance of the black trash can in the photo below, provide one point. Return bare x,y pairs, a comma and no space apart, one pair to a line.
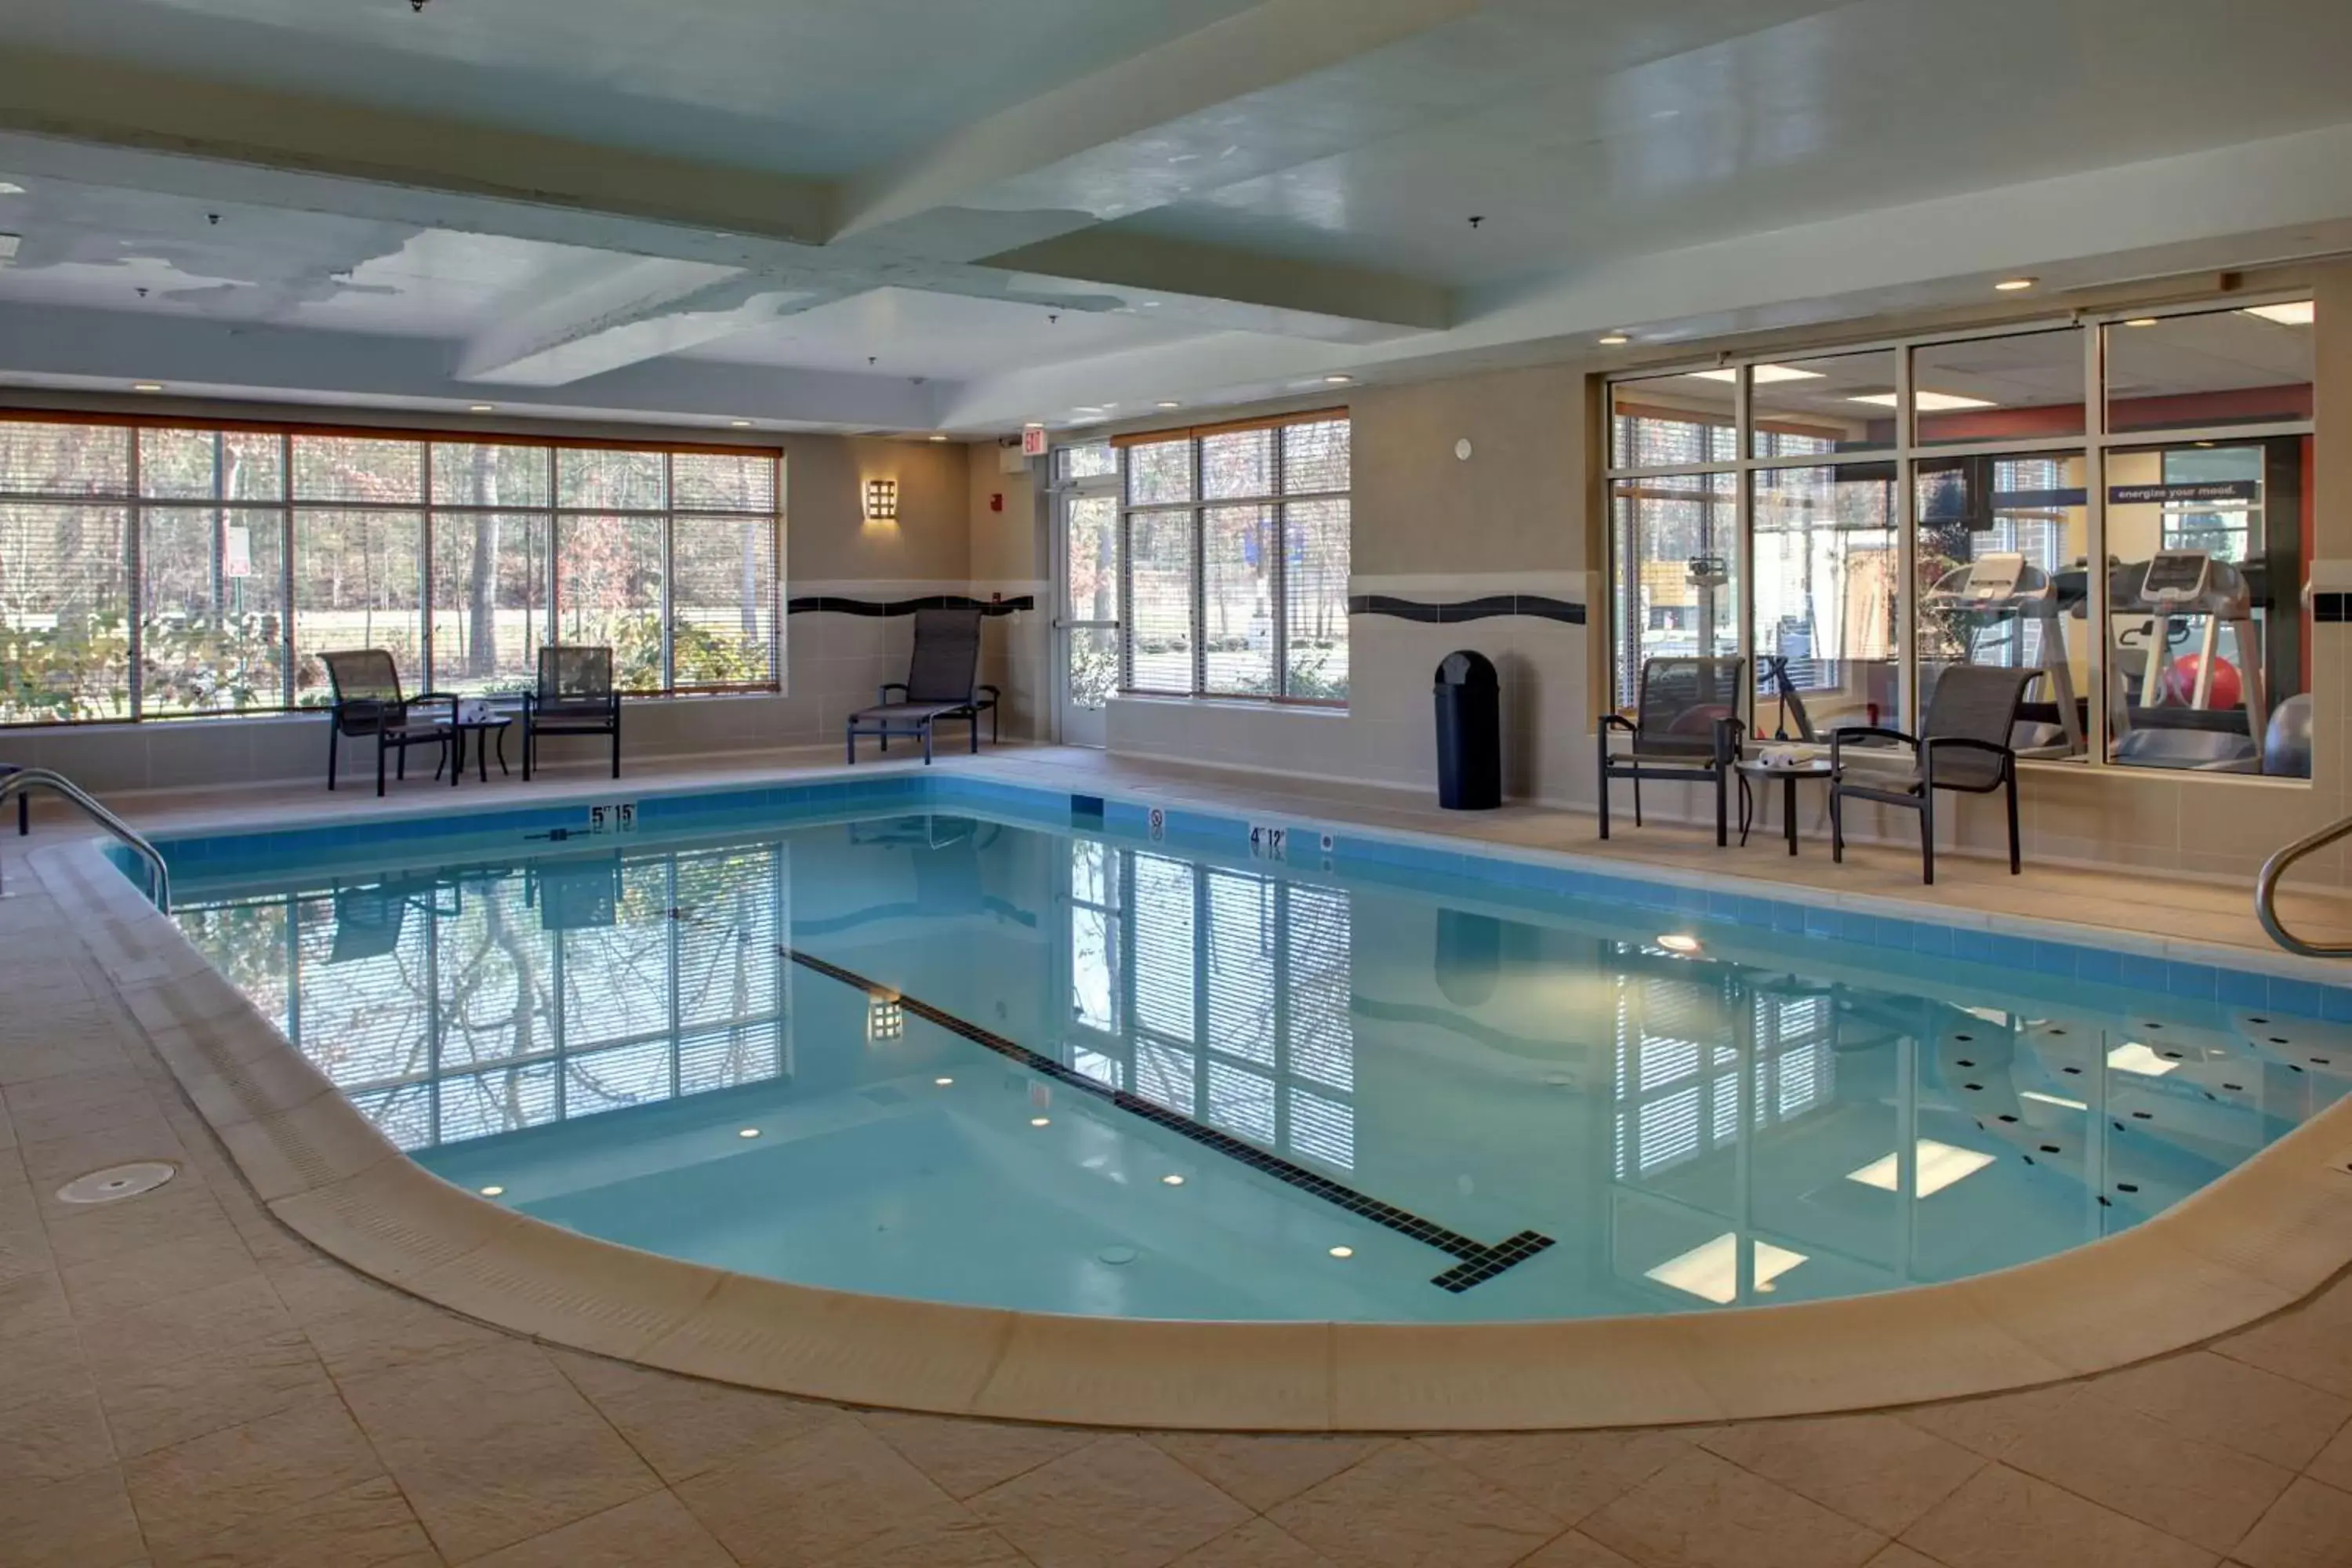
1469,733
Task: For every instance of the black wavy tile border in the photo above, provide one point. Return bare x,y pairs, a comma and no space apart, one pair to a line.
826,603
1536,605
1474,1261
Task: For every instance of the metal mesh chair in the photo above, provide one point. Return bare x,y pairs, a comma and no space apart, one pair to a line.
1686,727
575,697
943,682
1963,745
365,684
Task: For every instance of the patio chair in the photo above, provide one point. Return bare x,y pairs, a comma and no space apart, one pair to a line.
1686,727
1963,745
575,697
366,700
941,683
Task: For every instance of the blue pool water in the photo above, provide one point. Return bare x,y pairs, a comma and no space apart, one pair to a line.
995,1052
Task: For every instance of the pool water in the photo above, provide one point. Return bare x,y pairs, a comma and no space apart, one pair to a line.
999,1062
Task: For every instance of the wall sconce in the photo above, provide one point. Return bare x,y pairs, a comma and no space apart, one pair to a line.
885,1019
881,501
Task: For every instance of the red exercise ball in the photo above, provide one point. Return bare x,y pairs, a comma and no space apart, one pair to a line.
2180,682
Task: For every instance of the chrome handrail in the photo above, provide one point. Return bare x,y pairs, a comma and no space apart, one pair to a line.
22,779
2266,892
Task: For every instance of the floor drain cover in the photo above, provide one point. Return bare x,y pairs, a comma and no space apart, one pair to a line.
117,1182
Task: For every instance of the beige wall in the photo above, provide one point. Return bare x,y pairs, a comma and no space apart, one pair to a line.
828,536
1433,529
1517,505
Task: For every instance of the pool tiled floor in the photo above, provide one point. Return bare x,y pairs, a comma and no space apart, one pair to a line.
183,1380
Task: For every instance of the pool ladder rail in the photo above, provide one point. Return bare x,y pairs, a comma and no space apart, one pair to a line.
2266,892
21,781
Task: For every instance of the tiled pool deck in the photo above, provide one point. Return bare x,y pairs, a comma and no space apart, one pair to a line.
183,1379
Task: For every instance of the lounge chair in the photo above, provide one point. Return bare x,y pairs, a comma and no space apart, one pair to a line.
943,682
366,700
1964,745
1686,727
575,697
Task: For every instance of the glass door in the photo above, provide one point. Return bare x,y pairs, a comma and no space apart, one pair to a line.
1086,608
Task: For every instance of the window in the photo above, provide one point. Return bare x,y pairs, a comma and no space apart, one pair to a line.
167,569
1237,558
1855,523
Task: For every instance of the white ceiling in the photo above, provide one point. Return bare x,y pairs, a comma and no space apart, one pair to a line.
926,213
808,87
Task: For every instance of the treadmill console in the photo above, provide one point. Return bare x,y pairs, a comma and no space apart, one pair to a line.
1993,577
2175,577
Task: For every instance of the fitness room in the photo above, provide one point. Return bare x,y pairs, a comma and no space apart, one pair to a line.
1975,468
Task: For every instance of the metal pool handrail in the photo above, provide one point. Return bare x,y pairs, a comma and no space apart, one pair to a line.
2266,892
160,875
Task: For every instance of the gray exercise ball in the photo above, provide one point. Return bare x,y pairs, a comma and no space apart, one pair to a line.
2286,746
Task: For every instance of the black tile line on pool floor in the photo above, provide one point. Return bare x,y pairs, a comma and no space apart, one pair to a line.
1475,1262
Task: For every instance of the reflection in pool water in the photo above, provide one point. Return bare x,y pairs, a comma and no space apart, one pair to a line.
968,1060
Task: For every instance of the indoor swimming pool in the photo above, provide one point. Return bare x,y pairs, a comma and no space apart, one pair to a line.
928,1038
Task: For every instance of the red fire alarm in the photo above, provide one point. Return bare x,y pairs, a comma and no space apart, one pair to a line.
996,502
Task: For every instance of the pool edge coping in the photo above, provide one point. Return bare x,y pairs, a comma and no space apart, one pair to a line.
2261,1238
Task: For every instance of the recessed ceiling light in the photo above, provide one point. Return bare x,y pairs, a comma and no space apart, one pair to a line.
1171,404
1171,1181
1041,1121
2016,285
481,408
493,1192
943,1082
1711,1270
2141,322
146,387
741,424
1338,379
1936,1167
1926,402
1613,340
2133,1056
1343,1252
11,188
748,1133
2294,313
1677,942
1765,374
938,438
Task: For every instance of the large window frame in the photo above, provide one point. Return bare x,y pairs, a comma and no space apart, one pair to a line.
1287,682
284,510
1907,452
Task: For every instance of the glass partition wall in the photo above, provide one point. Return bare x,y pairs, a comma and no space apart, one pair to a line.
1856,522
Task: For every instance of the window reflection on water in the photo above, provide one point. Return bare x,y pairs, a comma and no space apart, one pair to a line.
1758,1118
455,1004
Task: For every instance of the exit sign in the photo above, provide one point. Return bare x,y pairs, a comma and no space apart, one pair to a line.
1033,441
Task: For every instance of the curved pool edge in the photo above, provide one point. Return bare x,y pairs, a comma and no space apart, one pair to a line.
2261,1238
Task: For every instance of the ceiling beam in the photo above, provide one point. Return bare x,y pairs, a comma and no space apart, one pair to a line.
128,106
446,191
1354,304
47,345
609,311
1269,46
